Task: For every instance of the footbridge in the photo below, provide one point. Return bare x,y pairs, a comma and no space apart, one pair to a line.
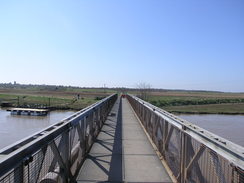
122,139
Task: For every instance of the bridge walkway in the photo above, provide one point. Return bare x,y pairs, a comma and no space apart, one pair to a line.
122,152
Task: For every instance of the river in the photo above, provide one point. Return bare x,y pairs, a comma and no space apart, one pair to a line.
15,127
230,127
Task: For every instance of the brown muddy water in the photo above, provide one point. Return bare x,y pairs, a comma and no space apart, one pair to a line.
230,127
14,127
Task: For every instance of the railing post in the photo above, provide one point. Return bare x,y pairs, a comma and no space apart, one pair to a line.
94,126
19,174
86,135
183,154
217,166
66,151
165,135
99,118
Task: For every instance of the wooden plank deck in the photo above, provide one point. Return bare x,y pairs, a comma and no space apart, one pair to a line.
122,152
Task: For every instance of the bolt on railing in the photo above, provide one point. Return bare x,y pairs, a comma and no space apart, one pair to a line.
56,153
191,153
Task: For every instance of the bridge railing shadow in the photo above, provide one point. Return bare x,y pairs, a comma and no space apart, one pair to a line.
106,154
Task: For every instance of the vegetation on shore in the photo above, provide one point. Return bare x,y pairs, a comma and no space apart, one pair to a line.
199,102
52,103
76,98
230,108
194,101
52,97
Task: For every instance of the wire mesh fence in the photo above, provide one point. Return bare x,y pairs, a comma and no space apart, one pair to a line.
192,154
56,153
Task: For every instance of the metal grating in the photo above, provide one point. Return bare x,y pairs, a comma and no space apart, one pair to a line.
56,153
192,154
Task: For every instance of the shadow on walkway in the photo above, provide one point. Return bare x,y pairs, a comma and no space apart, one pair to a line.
104,162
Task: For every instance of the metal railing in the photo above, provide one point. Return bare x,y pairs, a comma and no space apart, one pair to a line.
56,153
191,153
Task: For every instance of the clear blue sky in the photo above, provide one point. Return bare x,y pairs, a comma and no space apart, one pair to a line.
169,44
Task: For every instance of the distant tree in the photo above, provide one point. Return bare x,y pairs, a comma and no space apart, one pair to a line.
144,90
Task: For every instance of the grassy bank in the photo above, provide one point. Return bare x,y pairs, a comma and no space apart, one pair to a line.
48,102
199,102
233,108
61,98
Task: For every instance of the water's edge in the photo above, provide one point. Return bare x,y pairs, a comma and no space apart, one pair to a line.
16,127
230,127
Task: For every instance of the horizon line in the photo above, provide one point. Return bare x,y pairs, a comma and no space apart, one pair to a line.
121,87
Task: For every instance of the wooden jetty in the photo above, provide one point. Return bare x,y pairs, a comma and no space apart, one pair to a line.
28,111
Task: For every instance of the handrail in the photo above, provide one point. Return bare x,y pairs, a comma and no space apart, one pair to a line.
56,150
195,146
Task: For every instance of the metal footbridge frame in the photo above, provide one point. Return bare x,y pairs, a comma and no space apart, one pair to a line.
189,153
